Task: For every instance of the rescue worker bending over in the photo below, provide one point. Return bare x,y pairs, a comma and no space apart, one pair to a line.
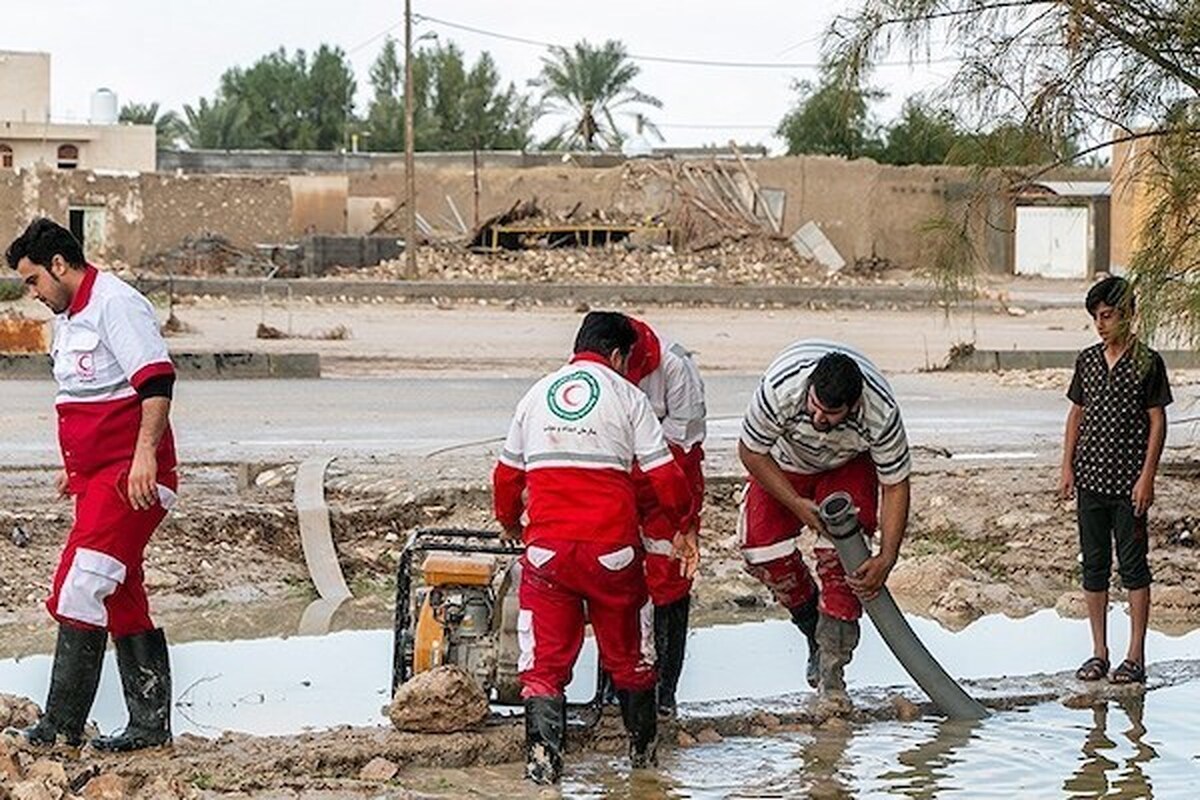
565,472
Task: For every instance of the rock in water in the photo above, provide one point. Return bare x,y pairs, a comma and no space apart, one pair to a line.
445,699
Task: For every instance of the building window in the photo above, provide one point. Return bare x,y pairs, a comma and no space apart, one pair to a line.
68,156
6,156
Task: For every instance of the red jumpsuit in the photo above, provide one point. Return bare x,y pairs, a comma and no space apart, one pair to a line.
106,346
667,374
565,471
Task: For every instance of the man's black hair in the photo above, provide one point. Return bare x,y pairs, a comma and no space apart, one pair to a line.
1113,291
42,241
605,331
837,380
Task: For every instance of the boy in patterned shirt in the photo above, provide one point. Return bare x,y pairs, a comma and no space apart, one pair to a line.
1114,437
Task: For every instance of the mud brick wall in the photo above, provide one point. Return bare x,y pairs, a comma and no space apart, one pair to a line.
149,212
867,210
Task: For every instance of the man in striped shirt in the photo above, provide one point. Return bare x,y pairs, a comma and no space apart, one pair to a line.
822,420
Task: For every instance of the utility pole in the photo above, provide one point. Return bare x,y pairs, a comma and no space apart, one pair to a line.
410,181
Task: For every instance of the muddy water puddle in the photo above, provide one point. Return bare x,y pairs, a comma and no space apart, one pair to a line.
289,684
1139,747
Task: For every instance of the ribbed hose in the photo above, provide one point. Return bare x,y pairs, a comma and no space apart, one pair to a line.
841,521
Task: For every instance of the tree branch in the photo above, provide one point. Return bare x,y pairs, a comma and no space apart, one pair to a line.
1143,49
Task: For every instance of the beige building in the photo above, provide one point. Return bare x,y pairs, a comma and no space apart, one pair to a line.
29,139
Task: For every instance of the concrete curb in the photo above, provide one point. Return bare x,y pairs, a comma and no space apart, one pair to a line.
554,293
799,295
189,366
997,360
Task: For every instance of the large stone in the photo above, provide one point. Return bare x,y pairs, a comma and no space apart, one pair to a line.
1174,603
48,772
17,712
966,600
1072,605
445,699
109,786
10,770
378,769
34,790
927,575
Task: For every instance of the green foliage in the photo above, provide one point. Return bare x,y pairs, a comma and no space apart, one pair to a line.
218,125
922,135
588,87
454,108
280,102
1007,144
1056,74
290,103
168,125
830,120
1166,266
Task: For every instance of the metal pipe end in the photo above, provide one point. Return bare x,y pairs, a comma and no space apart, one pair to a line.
840,515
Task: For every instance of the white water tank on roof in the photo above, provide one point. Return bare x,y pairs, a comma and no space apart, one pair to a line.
104,107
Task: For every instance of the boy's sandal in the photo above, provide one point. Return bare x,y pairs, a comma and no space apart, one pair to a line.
1093,669
1128,672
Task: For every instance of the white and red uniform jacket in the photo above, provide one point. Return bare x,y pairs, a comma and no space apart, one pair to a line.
571,449
666,372
106,345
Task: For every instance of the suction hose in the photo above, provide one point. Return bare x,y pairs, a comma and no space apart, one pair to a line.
841,521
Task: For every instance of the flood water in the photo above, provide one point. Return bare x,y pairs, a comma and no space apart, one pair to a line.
1140,747
1135,748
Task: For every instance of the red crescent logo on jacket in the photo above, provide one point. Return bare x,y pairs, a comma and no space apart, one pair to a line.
85,366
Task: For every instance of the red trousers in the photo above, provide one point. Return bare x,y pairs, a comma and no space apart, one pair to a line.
663,580
558,579
99,581
771,548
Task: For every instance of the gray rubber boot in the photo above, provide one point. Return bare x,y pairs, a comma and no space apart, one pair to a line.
545,734
78,656
837,639
146,681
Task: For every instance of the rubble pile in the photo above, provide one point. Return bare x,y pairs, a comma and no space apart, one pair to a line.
751,261
207,254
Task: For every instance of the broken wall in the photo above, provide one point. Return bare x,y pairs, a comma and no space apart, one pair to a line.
151,212
864,208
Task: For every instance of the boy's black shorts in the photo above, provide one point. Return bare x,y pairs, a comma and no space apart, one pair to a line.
1103,518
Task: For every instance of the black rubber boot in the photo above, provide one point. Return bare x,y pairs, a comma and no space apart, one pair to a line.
78,656
545,731
641,721
607,692
670,642
146,680
805,618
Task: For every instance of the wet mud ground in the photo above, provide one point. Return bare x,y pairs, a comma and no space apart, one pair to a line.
983,540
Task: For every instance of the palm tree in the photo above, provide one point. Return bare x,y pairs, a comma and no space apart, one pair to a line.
167,125
219,125
588,85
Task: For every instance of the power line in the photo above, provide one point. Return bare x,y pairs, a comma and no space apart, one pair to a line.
714,126
695,62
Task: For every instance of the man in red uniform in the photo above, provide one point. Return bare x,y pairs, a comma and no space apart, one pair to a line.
115,382
666,372
563,483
